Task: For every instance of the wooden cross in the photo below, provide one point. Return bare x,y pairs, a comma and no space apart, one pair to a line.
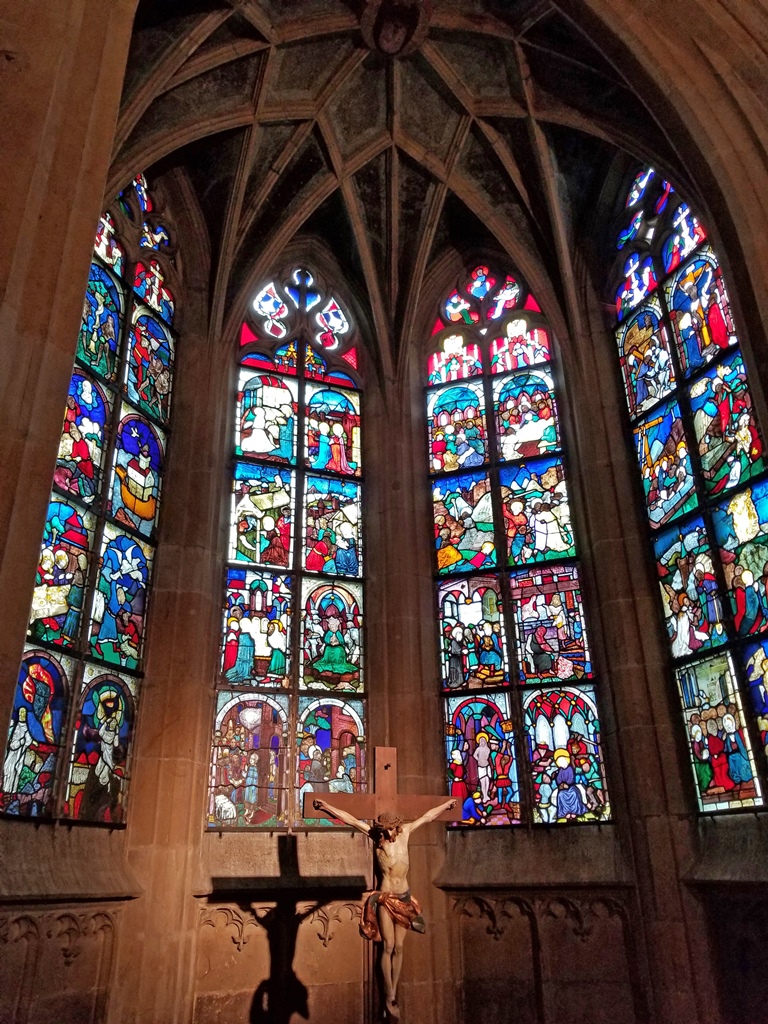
383,798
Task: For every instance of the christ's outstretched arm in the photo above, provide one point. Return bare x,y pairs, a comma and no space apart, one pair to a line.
430,815
348,819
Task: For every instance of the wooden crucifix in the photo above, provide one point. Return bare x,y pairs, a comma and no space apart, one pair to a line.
390,911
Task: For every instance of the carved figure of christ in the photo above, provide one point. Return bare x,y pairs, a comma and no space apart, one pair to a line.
390,911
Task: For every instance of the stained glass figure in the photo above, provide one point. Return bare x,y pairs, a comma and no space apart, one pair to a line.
639,186
330,749
630,232
549,623
286,357
107,246
690,591
463,523
639,281
700,311
149,368
149,285
62,574
35,734
458,438
142,192
456,360
480,759
646,360
526,415
520,346
265,424
756,670
314,365
248,780
481,282
741,528
262,519
473,637
98,771
730,446
258,618
665,465
460,310
564,747
718,741
333,326
100,327
661,202
332,440
80,459
332,516
331,636
687,235
118,613
537,516
154,236
139,456
505,299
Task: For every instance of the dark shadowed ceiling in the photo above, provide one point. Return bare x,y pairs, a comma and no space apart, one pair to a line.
497,131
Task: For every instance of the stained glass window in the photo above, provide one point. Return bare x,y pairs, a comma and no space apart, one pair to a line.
523,740
72,726
291,703
702,467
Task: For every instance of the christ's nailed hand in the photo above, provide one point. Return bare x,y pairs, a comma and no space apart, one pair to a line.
318,805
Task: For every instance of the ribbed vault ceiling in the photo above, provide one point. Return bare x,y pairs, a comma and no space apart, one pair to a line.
495,132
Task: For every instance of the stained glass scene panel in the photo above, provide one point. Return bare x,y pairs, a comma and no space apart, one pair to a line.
690,593
249,766
519,346
756,668
257,629
100,327
549,624
332,526
741,527
139,456
330,750
149,367
473,645
262,520
526,415
639,186
35,733
457,359
118,612
458,438
331,631
106,245
265,421
718,742
537,517
564,747
639,281
62,574
80,458
730,446
333,430
645,355
665,465
98,770
700,311
480,759
149,284
686,236
463,523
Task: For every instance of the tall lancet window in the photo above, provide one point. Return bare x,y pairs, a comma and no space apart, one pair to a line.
702,465
290,703
521,707
74,712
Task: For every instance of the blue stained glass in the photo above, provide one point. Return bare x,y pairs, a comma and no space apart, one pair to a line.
646,359
665,465
331,755
332,440
331,638
687,235
332,514
149,284
463,516
154,236
741,528
118,613
639,282
505,299
458,436
639,186
526,415
756,669
257,629
630,232
265,423
139,457
262,515
82,446
700,311
473,645
661,202
149,367
100,327
537,516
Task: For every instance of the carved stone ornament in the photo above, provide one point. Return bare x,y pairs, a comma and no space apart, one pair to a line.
395,27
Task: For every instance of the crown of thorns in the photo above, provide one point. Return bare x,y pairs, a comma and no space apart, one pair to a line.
389,820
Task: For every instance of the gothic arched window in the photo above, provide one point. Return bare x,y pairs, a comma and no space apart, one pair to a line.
522,729
290,707
74,710
703,471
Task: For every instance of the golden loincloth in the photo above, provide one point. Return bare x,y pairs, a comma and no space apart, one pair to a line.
403,909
